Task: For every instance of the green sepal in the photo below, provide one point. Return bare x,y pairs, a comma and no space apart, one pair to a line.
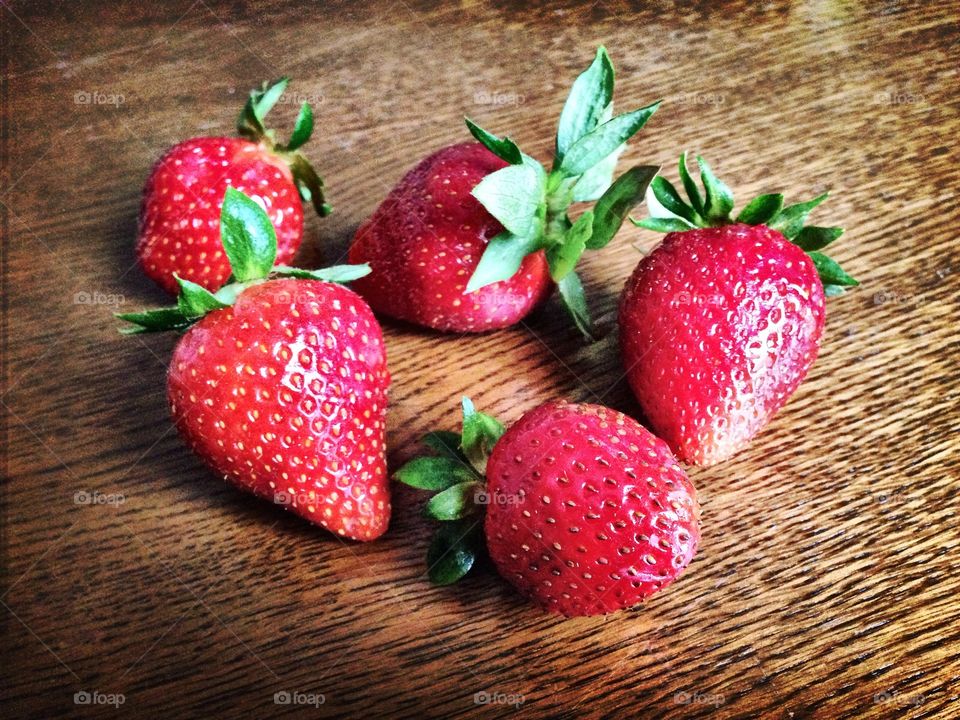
480,433
690,185
619,199
790,220
812,238
833,290
453,503
718,200
159,320
309,183
433,472
302,128
454,550
513,195
195,301
259,103
504,148
597,180
830,271
603,140
445,442
563,257
761,210
340,274
575,303
667,195
663,224
589,99
501,259
248,237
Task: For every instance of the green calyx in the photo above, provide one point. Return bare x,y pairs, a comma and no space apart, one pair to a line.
532,204
250,125
456,476
250,243
669,212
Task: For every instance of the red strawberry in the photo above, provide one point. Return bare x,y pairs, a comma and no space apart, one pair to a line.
722,321
280,385
586,511
475,236
179,229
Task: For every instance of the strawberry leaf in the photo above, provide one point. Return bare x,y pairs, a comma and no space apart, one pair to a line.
663,224
670,199
512,195
690,185
335,273
830,271
761,210
504,148
445,442
501,259
456,502
603,140
248,236
790,220
195,301
160,320
719,198
595,181
619,199
302,129
453,550
563,257
309,183
589,98
816,238
480,433
575,302
435,473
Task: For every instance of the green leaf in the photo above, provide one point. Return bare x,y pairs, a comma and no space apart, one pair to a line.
603,140
625,194
563,257
830,271
169,318
266,99
833,290
444,442
303,128
434,473
590,96
761,210
816,238
690,185
505,148
790,220
668,196
575,303
335,273
595,181
456,502
248,236
480,433
719,198
512,195
195,301
309,184
501,259
453,550
663,225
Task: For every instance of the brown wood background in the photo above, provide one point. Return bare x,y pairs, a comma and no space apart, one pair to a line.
827,582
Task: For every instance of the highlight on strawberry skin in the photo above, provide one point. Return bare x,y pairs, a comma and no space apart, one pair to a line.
579,507
478,234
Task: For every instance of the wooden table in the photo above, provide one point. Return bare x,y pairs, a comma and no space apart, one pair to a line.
827,581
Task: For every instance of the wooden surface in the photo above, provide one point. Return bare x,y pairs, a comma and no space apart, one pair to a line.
827,581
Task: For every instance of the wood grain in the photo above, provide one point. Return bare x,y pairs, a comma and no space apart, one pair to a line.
827,582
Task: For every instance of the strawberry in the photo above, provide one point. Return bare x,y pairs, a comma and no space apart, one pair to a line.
280,380
722,321
180,210
475,236
582,509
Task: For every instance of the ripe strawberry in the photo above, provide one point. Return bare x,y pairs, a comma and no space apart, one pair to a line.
280,384
180,211
586,511
474,237
722,321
